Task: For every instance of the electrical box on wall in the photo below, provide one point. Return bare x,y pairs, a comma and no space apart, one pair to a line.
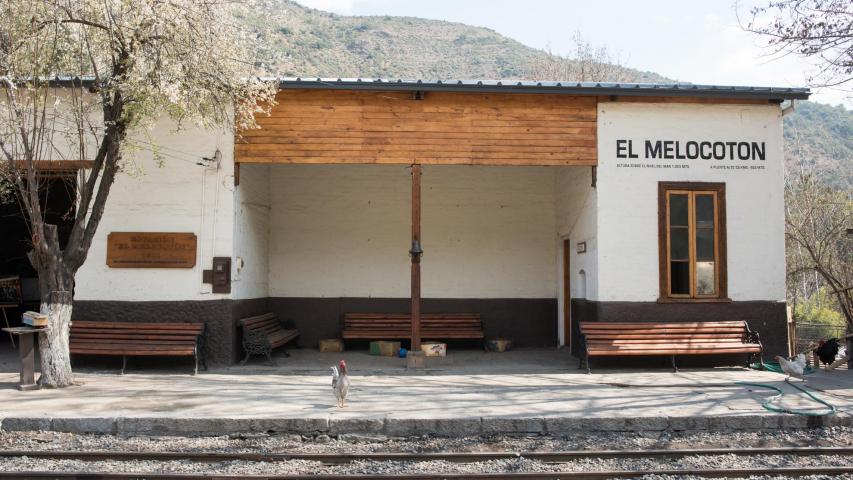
219,276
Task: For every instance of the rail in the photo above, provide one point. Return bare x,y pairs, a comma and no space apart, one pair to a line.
457,457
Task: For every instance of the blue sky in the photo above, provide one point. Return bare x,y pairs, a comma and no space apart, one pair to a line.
688,40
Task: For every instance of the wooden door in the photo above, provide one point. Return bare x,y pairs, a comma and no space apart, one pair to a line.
567,294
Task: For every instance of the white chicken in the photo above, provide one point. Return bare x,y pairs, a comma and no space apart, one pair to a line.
794,368
340,383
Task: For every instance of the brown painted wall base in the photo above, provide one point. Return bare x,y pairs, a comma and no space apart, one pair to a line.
217,314
528,322
767,318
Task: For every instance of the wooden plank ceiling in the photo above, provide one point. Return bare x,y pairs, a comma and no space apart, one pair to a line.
347,126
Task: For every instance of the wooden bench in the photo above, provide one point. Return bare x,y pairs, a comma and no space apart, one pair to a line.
653,338
263,333
397,326
132,339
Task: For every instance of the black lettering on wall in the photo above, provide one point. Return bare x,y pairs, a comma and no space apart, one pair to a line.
758,151
743,150
631,153
621,149
731,146
705,150
678,150
668,149
678,154
653,151
719,150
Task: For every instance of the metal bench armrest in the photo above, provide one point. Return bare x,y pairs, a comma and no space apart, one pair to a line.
753,337
255,340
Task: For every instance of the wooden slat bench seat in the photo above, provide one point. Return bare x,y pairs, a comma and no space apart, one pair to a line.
263,333
656,338
397,326
132,339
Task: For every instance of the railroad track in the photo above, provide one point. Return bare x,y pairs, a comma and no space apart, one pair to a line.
702,473
456,457
460,457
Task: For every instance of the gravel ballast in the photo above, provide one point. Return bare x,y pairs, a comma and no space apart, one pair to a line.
355,444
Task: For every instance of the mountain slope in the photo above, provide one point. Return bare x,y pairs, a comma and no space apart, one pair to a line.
314,43
821,136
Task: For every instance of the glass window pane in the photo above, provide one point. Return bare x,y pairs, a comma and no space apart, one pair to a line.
705,244
705,284
704,211
679,278
679,248
678,209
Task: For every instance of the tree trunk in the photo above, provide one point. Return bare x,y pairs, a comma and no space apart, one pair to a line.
53,344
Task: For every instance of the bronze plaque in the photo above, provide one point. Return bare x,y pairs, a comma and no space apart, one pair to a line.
151,250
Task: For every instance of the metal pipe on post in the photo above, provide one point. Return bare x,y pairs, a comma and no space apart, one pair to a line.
415,253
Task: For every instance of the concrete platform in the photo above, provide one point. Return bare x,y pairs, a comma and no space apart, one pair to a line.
466,393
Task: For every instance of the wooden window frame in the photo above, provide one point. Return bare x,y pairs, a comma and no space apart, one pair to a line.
721,270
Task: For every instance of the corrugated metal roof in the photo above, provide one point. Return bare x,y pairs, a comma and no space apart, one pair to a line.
569,88
516,86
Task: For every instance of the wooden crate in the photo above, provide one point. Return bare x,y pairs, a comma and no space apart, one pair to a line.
389,349
331,345
434,349
498,344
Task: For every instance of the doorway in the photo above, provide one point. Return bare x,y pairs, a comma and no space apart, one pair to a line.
57,194
567,294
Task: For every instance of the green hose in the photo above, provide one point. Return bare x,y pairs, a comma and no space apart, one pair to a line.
774,367
769,403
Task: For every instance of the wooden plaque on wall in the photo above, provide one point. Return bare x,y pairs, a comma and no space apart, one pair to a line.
151,250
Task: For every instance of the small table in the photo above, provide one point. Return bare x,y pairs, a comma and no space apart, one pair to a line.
25,349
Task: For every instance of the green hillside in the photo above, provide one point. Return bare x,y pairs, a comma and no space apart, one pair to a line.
822,136
313,43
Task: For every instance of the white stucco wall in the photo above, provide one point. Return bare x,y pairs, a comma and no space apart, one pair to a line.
628,197
180,196
488,232
251,233
344,231
575,209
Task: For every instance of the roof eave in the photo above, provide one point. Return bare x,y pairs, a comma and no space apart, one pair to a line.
774,95
771,95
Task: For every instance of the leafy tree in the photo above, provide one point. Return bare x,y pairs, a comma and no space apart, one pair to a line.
819,308
144,59
815,29
819,249
817,318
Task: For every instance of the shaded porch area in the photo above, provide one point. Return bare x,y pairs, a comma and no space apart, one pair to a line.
315,242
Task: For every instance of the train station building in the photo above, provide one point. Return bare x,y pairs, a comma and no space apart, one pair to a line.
542,205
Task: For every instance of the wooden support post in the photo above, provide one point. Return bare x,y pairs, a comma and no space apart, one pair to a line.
415,253
28,379
26,354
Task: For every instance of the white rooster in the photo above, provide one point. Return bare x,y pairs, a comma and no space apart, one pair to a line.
340,383
794,368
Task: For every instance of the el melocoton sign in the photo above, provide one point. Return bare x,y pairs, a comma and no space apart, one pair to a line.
718,154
